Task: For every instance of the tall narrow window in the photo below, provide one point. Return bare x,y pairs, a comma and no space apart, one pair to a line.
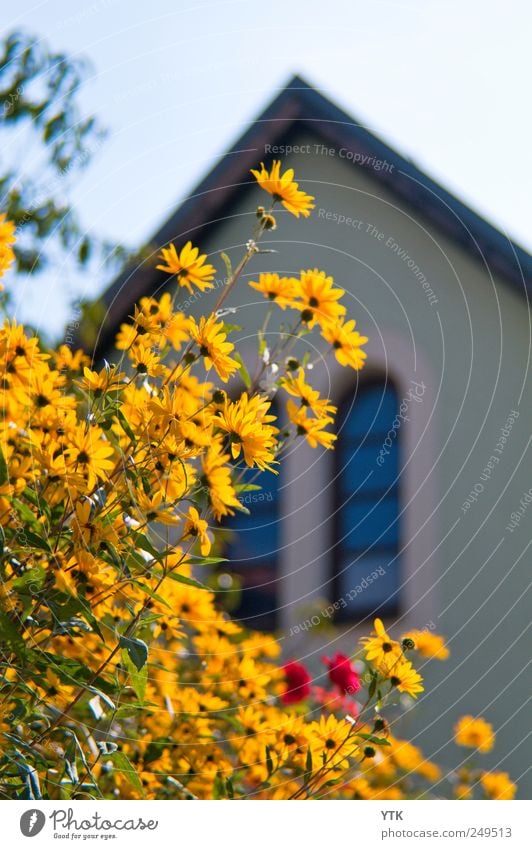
252,550
366,563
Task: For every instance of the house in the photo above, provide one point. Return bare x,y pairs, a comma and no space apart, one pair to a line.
420,514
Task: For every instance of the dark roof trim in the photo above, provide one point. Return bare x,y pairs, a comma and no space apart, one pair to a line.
301,106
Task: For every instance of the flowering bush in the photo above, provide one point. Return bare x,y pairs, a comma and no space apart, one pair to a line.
121,677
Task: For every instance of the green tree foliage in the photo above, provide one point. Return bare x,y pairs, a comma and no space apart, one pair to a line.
39,106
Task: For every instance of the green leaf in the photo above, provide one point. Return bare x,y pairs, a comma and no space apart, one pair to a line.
155,749
269,762
30,749
31,779
247,487
379,741
219,789
39,503
205,561
4,474
10,636
125,424
103,697
70,762
373,685
242,370
24,511
138,678
308,766
35,576
149,592
227,263
190,582
229,787
83,251
34,539
142,541
136,649
122,764
84,760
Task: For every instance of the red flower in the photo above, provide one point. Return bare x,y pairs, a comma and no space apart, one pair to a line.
297,683
342,674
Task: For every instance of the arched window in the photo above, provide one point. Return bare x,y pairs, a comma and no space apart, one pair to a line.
366,562
252,549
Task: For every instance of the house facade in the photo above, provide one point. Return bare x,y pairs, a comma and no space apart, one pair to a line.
420,514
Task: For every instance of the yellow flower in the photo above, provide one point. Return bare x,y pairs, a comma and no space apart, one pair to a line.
275,288
309,397
44,393
346,342
189,267
331,743
195,526
247,424
154,508
68,360
474,733
380,648
429,645
312,429
7,238
82,526
217,478
107,380
56,689
177,330
403,676
463,791
65,582
498,785
283,188
145,361
317,299
191,604
211,338
89,453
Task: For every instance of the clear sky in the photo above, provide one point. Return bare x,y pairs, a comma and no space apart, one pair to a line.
176,81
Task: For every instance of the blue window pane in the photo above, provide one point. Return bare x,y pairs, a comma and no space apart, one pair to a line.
369,584
360,468
363,523
252,549
367,508
370,411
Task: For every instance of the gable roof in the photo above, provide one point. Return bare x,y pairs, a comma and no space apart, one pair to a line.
301,107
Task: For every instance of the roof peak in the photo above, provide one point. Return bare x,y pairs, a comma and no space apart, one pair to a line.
299,104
